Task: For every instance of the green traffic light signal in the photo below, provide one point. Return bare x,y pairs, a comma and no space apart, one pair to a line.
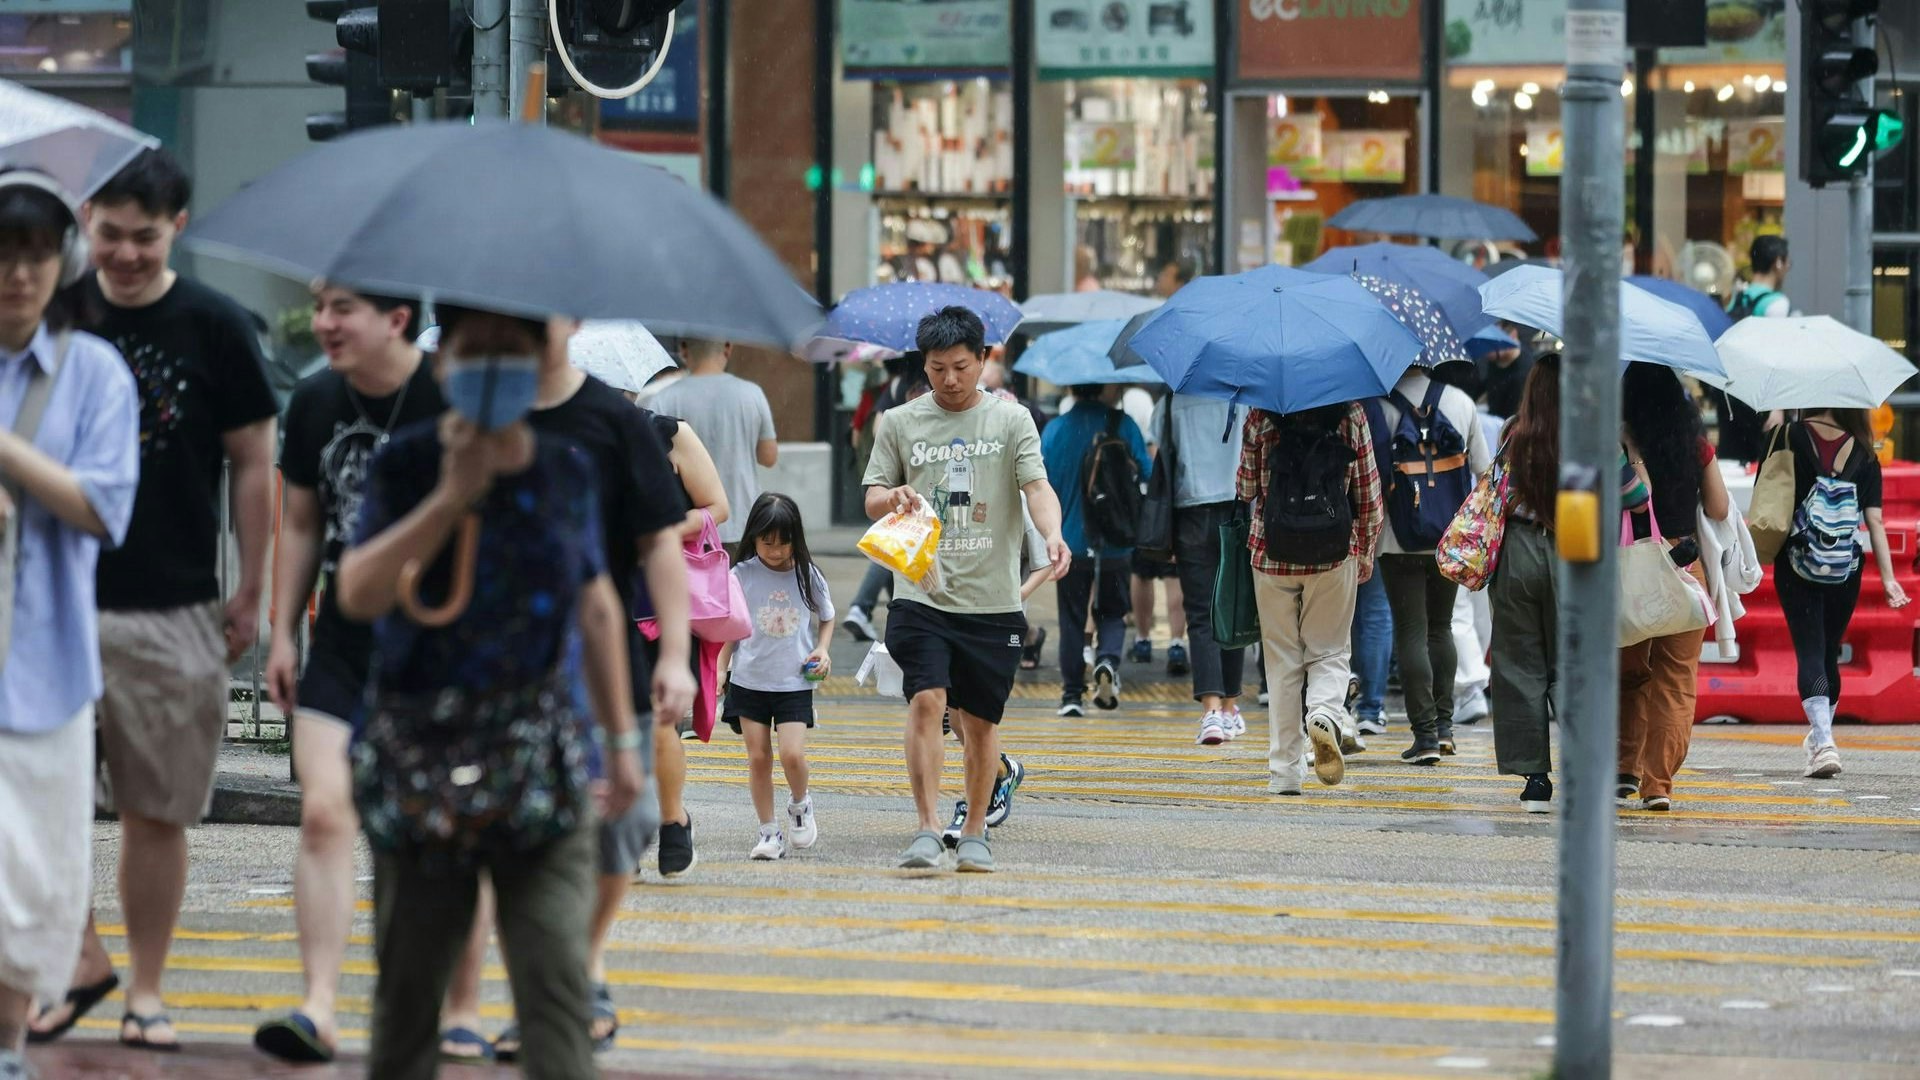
1851,139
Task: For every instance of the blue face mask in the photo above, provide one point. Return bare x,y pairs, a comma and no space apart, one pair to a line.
493,392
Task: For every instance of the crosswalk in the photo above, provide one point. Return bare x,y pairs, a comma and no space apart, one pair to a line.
1158,914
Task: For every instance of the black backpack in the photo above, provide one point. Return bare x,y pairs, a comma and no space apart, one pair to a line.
1749,302
1110,487
1306,511
1427,476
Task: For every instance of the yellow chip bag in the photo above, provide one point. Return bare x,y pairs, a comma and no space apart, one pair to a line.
907,544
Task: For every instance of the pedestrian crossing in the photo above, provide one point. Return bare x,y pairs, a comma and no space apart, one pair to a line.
1158,914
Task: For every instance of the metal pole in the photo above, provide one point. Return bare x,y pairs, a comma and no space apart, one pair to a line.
1592,207
1646,125
718,151
490,97
1860,214
1020,251
526,46
825,45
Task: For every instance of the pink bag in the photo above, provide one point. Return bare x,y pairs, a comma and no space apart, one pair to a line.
708,572
735,624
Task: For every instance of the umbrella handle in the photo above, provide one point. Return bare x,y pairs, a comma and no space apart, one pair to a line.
459,594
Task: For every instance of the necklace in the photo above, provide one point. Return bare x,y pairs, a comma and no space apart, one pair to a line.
399,403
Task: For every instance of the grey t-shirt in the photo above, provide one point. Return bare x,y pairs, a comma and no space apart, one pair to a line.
970,466
731,416
783,628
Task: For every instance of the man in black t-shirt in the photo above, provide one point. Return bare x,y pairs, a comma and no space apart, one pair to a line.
167,636
376,383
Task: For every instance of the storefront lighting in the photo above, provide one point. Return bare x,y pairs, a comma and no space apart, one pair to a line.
1524,150
50,65
1626,87
1726,93
1746,81
1763,84
1780,86
1530,88
1688,87
1480,97
1523,101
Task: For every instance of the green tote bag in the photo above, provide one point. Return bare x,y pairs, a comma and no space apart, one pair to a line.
1236,616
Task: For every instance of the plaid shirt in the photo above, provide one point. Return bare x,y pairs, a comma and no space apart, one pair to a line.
1363,489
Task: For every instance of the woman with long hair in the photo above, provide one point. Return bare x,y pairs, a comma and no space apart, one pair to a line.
1665,437
1819,570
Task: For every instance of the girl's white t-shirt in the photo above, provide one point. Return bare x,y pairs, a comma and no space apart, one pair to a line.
783,635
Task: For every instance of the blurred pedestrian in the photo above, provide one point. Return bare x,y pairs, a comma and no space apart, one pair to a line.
69,469
167,636
1742,430
906,379
1174,274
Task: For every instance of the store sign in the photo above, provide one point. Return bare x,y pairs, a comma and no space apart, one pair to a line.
1533,32
1104,144
1294,143
65,7
672,99
1546,149
1075,39
882,36
1370,157
1295,40
1757,145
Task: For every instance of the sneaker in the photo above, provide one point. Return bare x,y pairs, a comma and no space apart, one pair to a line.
1658,803
1236,724
973,856
951,835
1213,730
1353,692
924,852
772,844
801,826
1177,660
1626,789
1448,748
1537,796
1072,706
1823,762
676,849
1282,785
946,722
1142,651
1424,751
1350,741
1106,685
860,625
1264,698
1003,789
1324,731
1371,726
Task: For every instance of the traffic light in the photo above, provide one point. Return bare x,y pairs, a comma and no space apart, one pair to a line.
609,48
1840,132
354,66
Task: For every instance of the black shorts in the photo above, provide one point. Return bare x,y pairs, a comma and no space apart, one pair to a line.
1145,566
770,707
972,657
334,686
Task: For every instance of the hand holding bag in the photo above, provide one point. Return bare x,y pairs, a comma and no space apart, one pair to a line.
1236,614
1657,598
1470,548
716,608
1770,510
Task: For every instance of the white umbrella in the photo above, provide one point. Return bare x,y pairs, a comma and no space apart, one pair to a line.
80,147
1056,311
1652,330
1809,362
619,352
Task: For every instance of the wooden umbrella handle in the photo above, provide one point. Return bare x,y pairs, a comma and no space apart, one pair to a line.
459,594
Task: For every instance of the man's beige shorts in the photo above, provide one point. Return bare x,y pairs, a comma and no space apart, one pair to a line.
164,711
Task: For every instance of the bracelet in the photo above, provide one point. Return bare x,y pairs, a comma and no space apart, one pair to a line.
625,740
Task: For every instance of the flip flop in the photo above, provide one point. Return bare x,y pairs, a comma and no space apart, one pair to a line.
295,1039
1030,656
465,1036
83,999
506,1048
603,1010
144,1023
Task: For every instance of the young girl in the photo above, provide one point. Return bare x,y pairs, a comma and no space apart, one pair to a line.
771,675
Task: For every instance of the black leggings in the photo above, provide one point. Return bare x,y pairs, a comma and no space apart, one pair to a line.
1817,618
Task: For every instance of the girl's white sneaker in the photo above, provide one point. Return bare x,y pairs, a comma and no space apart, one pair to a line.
800,820
772,845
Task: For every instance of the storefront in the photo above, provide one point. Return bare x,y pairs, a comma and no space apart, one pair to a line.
1327,105
82,50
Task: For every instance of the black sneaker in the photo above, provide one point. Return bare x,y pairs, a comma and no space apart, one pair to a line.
1626,789
1003,788
1537,797
1106,684
1177,662
951,836
1142,651
1424,751
1072,706
946,722
1447,745
676,848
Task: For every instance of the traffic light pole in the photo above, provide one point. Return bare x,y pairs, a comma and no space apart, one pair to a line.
526,46
1860,214
1592,212
491,97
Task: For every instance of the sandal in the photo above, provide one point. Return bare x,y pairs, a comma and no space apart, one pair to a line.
295,1039
1030,656
506,1048
465,1036
145,1024
603,1010
82,999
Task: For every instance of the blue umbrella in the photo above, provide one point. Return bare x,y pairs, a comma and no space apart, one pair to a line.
1277,339
1439,217
1447,283
1652,330
889,315
1713,318
1055,311
1078,357
1439,344
1489,339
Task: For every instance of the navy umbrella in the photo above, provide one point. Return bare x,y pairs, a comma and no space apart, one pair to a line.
889,315
518,219
1447,283
1713,318
1439,217
1438,343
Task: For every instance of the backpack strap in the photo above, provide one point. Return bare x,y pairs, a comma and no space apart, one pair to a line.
1113,423
33,404
1435,389
1382,441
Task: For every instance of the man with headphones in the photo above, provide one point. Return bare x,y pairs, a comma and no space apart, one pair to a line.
167,636
69,466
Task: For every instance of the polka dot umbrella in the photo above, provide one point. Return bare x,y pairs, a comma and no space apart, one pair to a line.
1438,343
889,315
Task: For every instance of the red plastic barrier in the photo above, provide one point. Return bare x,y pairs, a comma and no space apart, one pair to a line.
1880,665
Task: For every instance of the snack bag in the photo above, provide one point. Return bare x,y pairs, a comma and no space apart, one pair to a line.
907,544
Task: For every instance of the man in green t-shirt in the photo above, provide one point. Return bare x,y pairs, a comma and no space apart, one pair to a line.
970,455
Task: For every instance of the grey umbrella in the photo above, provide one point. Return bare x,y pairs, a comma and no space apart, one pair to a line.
513,218
1442,217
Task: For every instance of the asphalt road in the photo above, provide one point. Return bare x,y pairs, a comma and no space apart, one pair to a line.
1157,914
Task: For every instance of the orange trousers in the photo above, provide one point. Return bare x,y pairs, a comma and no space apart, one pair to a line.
1658,690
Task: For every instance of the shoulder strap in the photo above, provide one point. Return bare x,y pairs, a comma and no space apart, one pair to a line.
1406,407
1114,417
33,405
1435,390
1377,431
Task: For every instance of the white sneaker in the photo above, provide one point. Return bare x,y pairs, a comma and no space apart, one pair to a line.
1279,784
772,845
1371,727
1323,729
860,625
1213,730
1823,762
802,827
1236,724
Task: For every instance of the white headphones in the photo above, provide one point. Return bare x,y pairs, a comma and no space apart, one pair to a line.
73,246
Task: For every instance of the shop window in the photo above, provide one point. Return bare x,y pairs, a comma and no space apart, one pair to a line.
1326,152
67,43
1140,176
941,179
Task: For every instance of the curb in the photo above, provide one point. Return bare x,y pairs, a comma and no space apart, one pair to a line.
240,799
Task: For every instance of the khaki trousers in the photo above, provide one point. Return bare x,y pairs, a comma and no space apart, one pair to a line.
1306,640
1658,690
